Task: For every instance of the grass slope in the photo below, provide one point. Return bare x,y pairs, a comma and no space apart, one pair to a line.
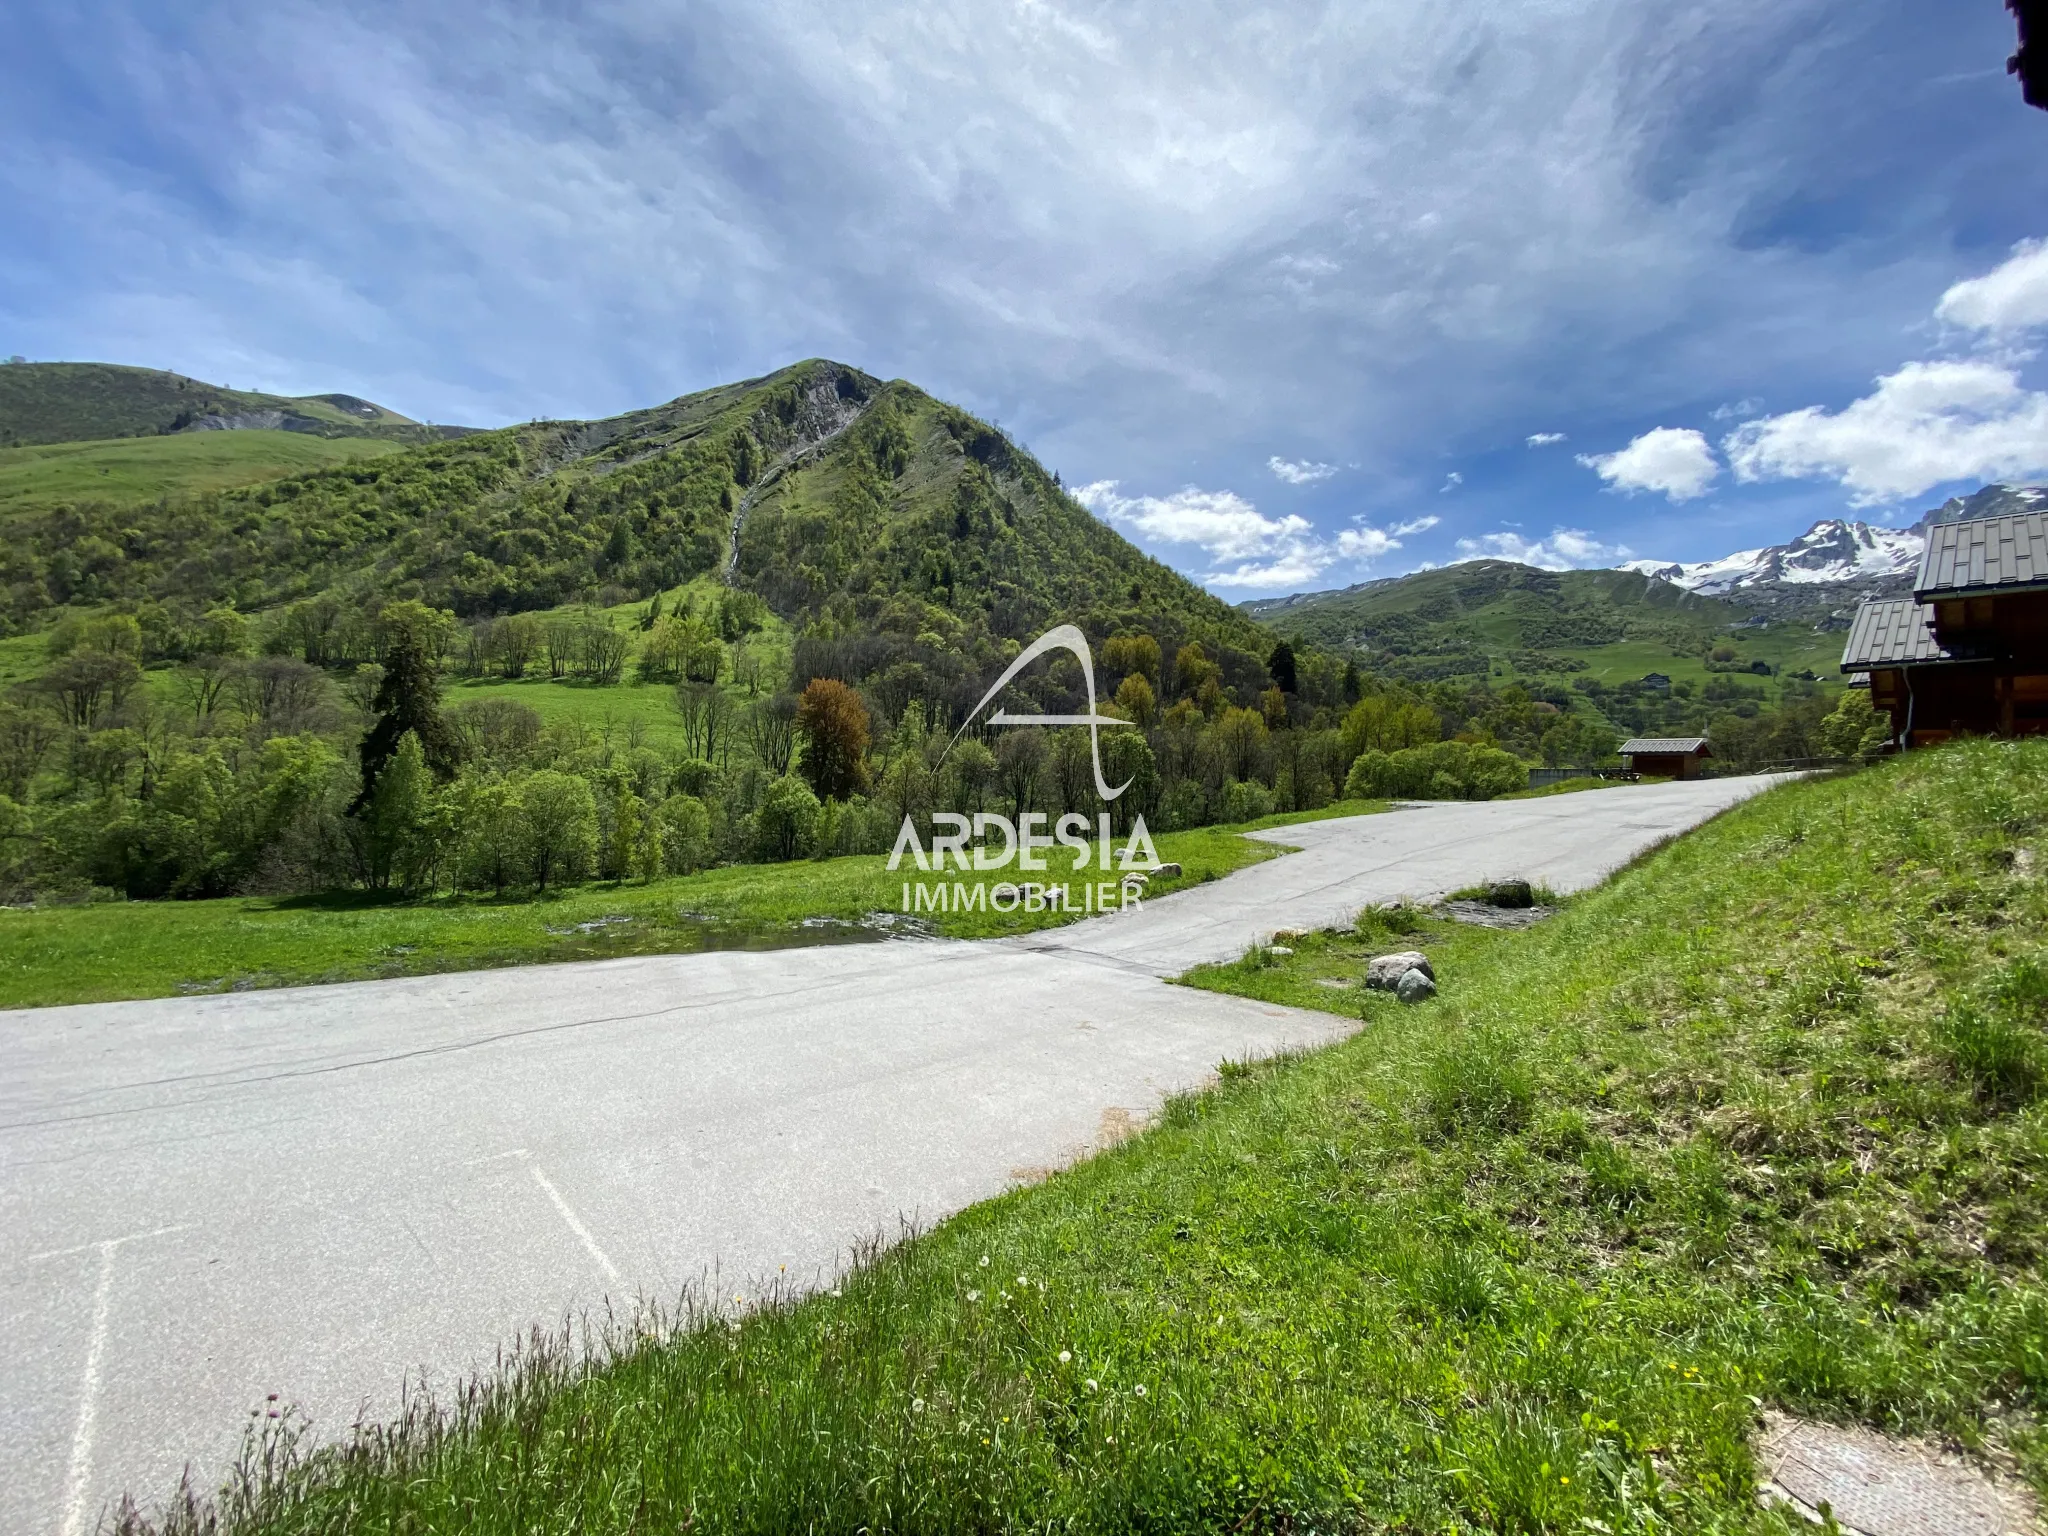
77,402
111,951
1760,1122
132,469
1496,618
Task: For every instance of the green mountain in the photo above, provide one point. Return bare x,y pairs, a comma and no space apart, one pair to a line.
1645,654
79,402
1495,608
858,509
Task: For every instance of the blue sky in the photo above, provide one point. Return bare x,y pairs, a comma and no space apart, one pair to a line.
1286,292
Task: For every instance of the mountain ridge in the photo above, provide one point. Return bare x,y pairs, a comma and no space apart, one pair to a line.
46,403
1845,556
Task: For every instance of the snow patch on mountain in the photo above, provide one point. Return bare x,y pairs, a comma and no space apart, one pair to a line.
1834,551
1829,551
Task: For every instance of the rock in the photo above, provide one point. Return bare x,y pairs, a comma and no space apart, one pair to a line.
1510,893
1167,872
1415,988
1383,973
1278,949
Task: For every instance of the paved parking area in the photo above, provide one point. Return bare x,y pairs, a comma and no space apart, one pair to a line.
317,1191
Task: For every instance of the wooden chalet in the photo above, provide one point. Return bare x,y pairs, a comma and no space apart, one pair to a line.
1666,757
1967,653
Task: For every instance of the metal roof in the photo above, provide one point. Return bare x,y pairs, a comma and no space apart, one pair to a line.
1984,554
1896,632
1656,745
1891,632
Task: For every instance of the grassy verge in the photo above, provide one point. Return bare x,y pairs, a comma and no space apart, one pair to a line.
112,950
1759,1122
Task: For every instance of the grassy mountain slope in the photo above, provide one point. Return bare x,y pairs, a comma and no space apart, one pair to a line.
124,470
81,402
862,507
1497,604
1558,630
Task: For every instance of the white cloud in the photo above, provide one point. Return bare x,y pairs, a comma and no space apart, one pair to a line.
1451,482
1222,523
1566,549
1928,423
1300,471
1266,551
1674,460
1737,410
1544,439
2011,297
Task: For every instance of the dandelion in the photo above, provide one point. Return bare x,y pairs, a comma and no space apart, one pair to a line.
1022,1281
1139,1389
1091,1384
1066,1355
1564,1480
1111,1439
974,1295
917,1405
984,1261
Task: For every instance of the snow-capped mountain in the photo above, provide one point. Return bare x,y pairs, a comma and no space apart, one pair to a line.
1837,553
1829,551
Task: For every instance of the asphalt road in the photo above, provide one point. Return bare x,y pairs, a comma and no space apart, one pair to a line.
320,1191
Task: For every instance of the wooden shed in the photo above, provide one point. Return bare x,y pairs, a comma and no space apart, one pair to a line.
1666,757
1967,653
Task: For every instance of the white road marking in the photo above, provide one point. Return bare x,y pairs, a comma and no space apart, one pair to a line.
582,1232
77,1483
495,1157
109,1242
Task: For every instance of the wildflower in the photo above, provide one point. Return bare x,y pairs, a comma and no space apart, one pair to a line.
917,1405
1139,1389
974,1295
1021,1281
1564,1480
1066,1355
984,1261
1091,1383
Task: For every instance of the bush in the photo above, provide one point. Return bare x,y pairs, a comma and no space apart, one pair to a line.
1444,770
786,825
1246,800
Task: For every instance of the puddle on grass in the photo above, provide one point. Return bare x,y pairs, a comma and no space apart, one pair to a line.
705,933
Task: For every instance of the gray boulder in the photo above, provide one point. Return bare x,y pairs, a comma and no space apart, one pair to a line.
1383,973
1415,988
1510,893
1166,872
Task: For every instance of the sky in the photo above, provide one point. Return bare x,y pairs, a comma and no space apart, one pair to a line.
1294,296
